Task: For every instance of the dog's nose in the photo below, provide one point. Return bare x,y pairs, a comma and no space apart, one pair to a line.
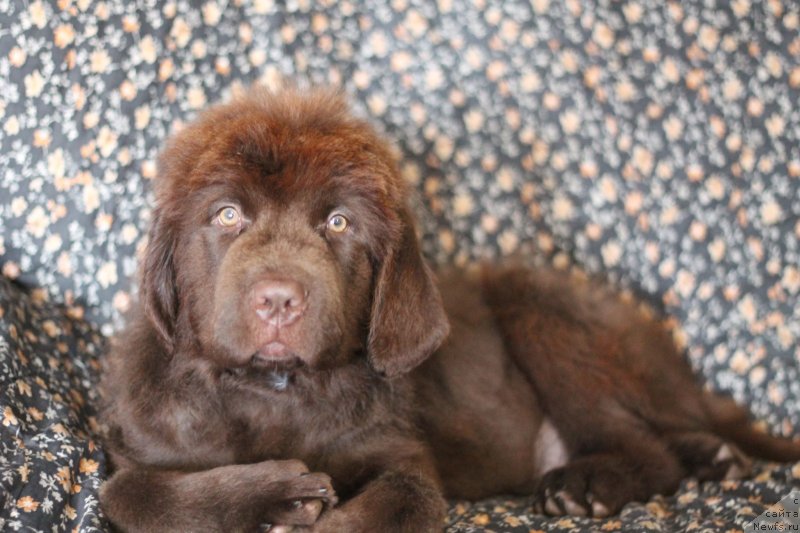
279,301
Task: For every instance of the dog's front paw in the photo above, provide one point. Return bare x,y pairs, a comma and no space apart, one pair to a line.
304,498
297,497
311,486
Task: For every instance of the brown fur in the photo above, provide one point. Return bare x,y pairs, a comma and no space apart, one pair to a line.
351,424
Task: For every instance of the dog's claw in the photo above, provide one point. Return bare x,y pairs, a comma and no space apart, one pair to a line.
735,472
570,505
599,510
552,508
724,454
739,465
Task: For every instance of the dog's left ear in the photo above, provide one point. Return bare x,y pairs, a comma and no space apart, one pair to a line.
158,290
408,320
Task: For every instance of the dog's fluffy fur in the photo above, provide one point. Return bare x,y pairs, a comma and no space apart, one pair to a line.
360,412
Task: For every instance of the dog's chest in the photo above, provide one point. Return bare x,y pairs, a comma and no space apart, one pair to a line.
282,424
262,429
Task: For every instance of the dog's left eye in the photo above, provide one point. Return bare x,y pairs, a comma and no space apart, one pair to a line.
228,217
338,223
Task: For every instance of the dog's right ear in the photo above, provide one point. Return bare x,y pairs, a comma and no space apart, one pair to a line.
158,290
408,319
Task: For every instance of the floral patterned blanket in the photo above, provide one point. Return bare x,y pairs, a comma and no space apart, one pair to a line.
656,142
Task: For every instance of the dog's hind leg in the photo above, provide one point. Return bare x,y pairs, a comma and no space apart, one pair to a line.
579,354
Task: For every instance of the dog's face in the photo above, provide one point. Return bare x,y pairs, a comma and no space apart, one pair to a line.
280,238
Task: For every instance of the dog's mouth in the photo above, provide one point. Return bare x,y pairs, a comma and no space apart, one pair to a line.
273,351
270,363
276,356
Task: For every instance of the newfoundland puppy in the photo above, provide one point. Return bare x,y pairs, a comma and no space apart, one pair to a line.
293,364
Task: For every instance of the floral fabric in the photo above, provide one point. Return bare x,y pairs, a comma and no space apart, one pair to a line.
50,465
653,142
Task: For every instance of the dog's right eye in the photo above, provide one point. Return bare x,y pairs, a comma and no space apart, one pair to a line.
228,217
338,223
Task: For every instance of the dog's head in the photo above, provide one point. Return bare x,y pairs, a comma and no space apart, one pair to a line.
280,237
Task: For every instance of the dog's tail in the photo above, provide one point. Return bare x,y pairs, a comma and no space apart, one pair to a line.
732,422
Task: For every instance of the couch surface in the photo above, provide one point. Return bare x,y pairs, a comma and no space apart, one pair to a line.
655,143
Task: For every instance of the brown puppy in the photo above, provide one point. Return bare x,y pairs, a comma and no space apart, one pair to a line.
279,369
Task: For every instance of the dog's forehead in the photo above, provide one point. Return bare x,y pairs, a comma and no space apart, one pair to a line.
257,151
304,154
308,165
